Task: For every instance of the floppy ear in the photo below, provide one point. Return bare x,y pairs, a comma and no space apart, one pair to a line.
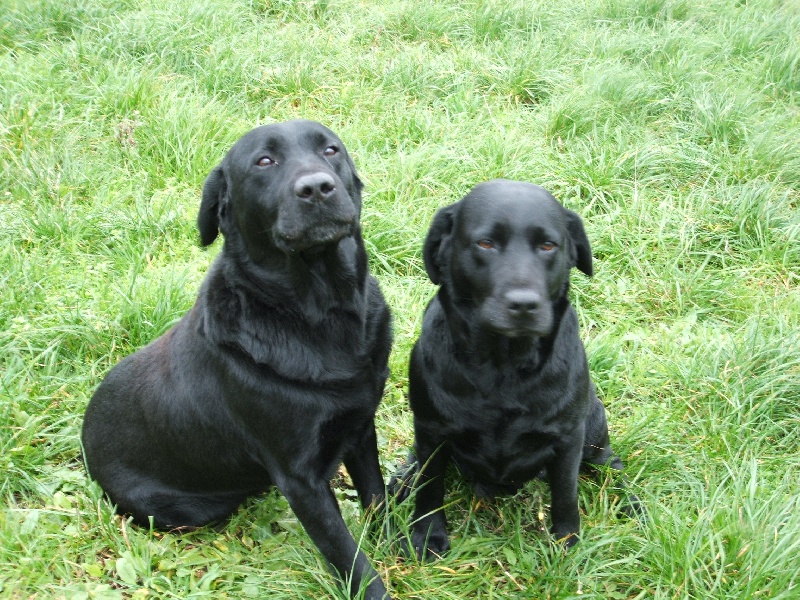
441,228
582,251
214,190
358,186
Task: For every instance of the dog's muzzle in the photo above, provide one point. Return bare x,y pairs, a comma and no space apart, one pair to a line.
519,312
318,213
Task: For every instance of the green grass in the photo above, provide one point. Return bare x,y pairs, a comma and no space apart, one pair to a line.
670,126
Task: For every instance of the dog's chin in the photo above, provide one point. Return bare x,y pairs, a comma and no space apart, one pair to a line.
314,240
520,328
520,331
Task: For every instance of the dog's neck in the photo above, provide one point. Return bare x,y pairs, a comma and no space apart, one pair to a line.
310,283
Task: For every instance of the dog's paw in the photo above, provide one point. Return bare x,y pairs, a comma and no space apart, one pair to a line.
430,543
567,539
633,508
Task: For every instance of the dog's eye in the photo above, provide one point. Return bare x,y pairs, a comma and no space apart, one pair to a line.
548,246
330,151
265,161
485,244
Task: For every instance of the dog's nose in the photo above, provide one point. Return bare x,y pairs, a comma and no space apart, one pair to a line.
314,186
523,301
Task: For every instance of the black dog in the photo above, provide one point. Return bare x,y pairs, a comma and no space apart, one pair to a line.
498,381
274,376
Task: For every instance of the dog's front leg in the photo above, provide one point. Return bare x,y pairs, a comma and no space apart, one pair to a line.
315,506
429,528
562,474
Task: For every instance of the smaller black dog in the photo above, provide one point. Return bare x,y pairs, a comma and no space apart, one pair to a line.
498,380
274,376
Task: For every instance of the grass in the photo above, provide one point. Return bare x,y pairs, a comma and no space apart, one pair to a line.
670,126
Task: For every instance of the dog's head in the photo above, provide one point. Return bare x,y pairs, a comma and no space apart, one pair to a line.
504,252
289,187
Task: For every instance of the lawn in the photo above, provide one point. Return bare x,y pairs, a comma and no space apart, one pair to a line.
671,126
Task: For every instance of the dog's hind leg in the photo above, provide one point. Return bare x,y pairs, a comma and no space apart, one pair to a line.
429,528
597,446
364,467
597,452
169,508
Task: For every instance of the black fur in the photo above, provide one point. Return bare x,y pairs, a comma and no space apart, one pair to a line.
498,380
274,376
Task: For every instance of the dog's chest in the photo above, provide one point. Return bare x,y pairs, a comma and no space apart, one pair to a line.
504,446
508,434
280,342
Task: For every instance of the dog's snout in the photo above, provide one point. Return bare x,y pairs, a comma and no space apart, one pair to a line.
314,186
521,301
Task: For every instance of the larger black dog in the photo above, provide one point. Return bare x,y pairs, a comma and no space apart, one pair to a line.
274,376
498,380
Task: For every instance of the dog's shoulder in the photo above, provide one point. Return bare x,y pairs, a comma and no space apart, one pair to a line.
566,352
441,374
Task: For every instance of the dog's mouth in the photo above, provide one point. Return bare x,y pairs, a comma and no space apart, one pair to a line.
520,331
538,324
313,239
